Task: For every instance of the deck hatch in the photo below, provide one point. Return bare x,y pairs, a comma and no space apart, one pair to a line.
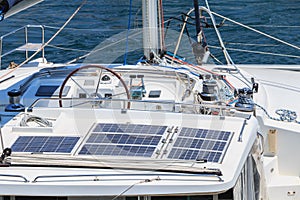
51,90
123,140
39,144
200,144
46,90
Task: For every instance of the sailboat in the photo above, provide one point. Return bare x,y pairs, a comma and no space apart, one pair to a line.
163,128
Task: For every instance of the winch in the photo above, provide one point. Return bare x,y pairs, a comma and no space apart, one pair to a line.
14,100
245,100
209,88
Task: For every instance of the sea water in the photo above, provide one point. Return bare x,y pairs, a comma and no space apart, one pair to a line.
102,25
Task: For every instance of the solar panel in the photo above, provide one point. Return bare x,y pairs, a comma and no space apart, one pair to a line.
44,144
117,150
200,144
123,140
130,128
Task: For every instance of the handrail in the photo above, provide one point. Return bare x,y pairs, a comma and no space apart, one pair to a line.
89,100
242,130
43,37
1,138
25,28
15,176
97,177
219,107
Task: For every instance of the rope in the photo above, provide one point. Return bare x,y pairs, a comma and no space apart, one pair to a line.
50,40
284,114
241,79
128,29
31,118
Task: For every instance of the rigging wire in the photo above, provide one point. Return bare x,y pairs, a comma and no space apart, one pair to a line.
50,40
226,54
166,21
252,44
67,49
224,50
267,26
134,184
95,51
81,29
258,52
264,53
257,31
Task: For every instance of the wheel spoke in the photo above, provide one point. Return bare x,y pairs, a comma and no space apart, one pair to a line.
98,83
81,87
99,80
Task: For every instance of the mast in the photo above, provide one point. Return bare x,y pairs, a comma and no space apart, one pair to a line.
150,28
200,48
197,19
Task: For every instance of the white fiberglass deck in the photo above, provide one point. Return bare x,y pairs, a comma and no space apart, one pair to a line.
207,150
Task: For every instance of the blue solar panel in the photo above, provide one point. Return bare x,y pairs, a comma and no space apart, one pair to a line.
200,144
44,144
130,128
123,140
117,150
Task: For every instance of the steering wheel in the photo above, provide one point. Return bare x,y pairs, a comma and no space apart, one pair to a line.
96,94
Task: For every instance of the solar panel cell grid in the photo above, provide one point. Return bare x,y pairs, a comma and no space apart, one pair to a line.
130,128
200,144
44,144
123,140
117,150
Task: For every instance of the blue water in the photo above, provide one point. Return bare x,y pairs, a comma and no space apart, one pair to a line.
99,20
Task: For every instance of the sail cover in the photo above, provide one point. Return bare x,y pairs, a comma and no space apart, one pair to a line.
11,7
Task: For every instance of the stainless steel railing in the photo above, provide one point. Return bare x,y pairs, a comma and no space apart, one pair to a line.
27,46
